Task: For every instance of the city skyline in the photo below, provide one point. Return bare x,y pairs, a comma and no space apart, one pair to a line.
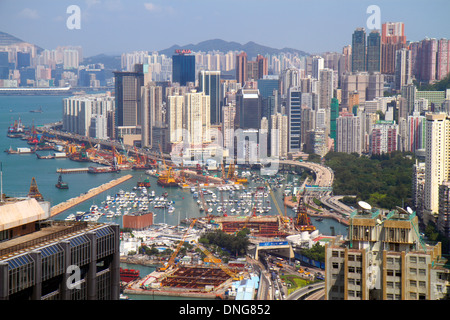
114,27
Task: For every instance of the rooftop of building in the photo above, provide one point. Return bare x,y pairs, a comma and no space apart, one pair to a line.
49,231
15,212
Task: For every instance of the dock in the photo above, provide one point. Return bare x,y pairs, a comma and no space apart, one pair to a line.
63,206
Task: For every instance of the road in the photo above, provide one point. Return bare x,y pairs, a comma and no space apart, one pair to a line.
304,292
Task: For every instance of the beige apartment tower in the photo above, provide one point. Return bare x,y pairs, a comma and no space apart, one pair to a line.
384,258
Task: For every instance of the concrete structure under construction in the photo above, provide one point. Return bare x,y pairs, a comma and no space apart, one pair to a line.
55,260
385,258
260,226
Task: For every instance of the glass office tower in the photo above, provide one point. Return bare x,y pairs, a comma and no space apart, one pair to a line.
183,69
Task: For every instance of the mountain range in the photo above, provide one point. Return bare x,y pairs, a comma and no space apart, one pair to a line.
251,48
113,61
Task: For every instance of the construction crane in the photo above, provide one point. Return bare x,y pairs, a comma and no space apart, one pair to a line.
285,219
302,222
180,244
232,175
216,261
34,191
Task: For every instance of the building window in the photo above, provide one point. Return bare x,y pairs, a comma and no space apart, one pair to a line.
412,270
351,269
413,283
351,257
413,259
335,254
422,272
335,265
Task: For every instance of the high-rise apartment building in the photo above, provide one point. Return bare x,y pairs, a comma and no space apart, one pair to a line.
437,156
384,258
348,133
403,71
79,112
228,115
443,218
317,65
152,114
384,137
374,51
183,68
392,39
209,83
442,59
189,119
289,78
175,106
359,50
326,91
279,135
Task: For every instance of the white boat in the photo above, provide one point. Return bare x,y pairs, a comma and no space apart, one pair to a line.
70,217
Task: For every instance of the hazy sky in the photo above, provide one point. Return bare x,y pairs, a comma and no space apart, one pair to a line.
116,26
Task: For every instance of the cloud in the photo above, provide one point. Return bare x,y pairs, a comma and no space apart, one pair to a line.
29,14
152,7
156,8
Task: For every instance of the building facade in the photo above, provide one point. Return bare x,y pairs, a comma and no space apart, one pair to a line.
384,258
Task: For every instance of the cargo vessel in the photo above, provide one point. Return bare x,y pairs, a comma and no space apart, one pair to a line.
103,169
49,156
127,275
19,151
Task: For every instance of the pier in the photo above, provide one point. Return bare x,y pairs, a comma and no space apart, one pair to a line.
74,170
57,209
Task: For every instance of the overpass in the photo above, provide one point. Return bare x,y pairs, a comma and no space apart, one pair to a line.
280,247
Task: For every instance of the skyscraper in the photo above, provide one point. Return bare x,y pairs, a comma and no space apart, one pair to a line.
334,114
374,51
209,83
241,68
359,50
128,95
183,68
294,113
248,109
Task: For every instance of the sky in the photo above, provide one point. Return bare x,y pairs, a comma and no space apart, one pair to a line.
118,26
